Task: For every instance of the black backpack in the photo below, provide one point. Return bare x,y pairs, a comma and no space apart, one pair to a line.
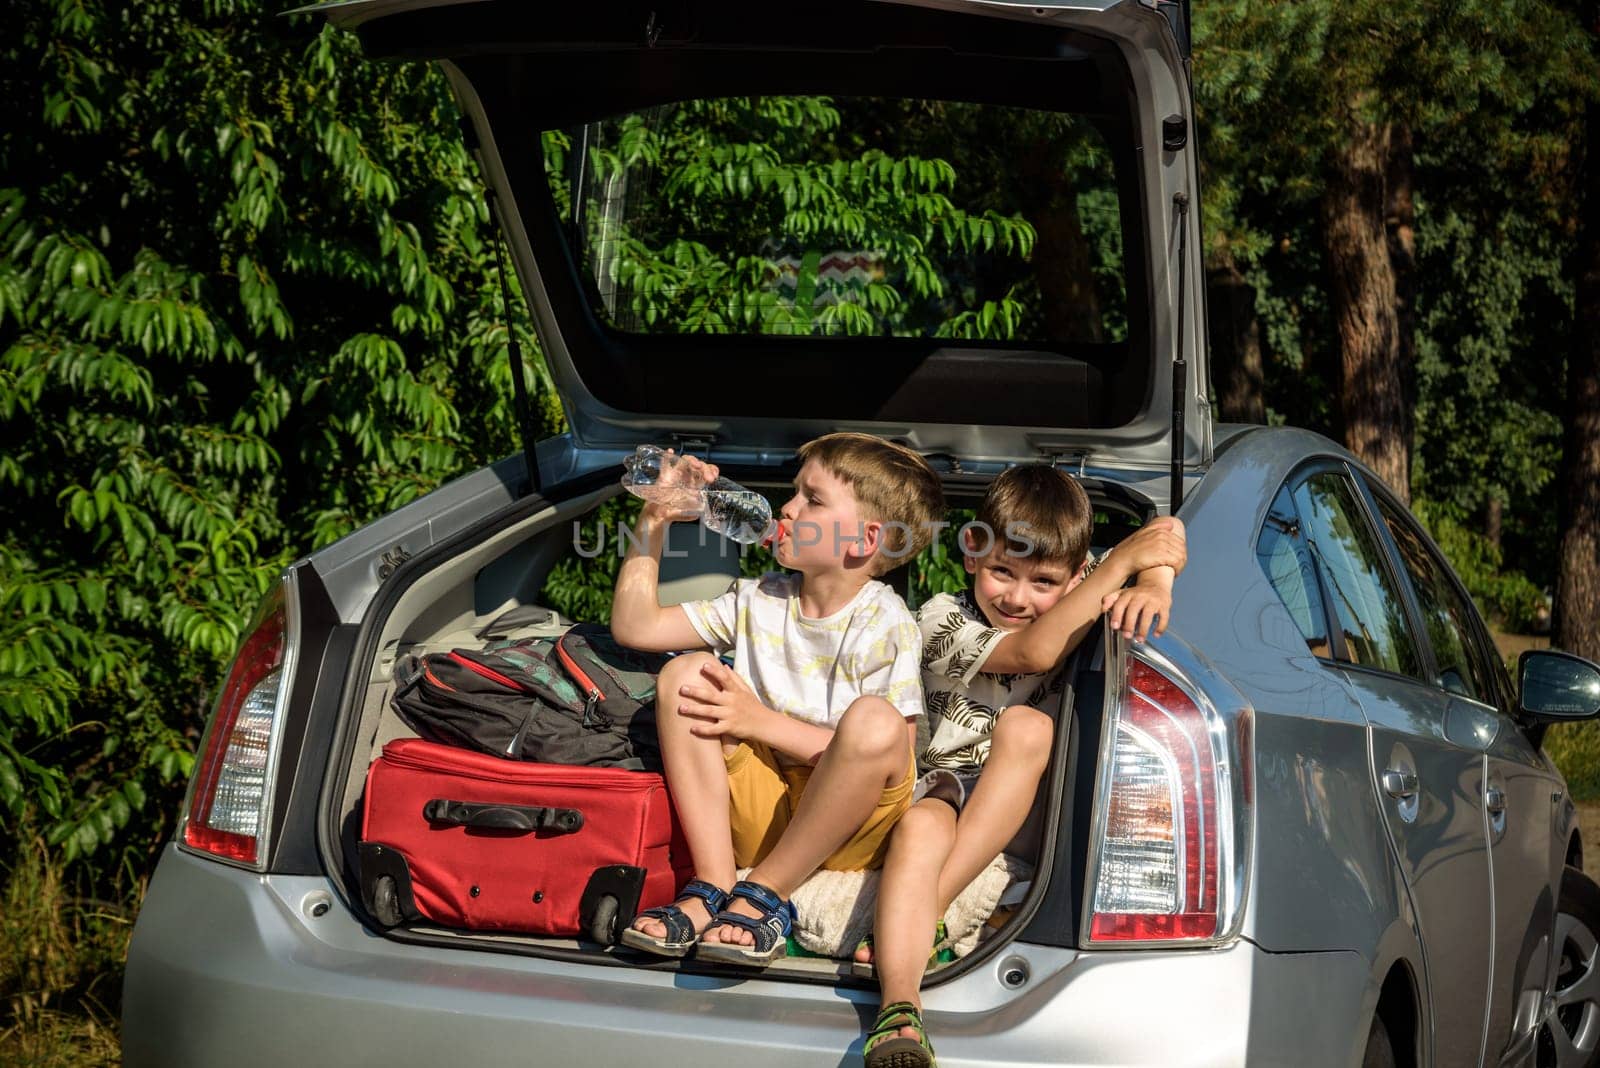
579,698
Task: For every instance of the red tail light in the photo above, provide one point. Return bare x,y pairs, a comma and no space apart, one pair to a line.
1169,827
230,795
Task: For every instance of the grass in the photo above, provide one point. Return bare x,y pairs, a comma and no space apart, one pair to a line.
1589,829
61,961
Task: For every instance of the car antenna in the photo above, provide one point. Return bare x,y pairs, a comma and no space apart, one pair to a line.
1180,367
519,388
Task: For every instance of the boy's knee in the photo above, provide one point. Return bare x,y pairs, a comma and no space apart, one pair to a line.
681,669
1027,729
872,727
927,824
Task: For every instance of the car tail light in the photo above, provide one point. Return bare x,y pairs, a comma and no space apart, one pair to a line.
1172,815
230,796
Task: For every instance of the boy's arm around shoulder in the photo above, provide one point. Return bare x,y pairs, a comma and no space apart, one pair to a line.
638,620
1155,552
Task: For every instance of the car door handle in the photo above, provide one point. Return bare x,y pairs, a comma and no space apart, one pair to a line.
1495,800
1400,785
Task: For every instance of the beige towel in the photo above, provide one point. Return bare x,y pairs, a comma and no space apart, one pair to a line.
834,909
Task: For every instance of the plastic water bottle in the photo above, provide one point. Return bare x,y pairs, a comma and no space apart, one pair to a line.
722,506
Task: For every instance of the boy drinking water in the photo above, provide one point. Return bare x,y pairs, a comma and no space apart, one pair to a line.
991,660
801,755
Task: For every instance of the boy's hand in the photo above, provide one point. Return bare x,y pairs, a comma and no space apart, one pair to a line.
688,473
1138,609
1162,542
725,704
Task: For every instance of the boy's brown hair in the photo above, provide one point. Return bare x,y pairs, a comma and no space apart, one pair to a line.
1044,505
893,484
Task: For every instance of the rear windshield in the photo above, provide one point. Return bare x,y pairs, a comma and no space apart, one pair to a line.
813,216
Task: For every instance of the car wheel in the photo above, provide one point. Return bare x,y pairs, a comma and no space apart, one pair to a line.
386,901
603,928
1569,1037
1380,1054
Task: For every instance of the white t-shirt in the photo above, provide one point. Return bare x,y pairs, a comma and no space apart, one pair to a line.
963,701
811,669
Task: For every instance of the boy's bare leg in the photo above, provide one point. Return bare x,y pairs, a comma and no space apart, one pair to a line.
1018,754
870,752
908,906
996,811
697,775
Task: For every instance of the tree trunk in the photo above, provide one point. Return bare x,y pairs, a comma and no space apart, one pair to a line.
1493,520
1400,221
1062,262
1235,335
1365,306
1577,607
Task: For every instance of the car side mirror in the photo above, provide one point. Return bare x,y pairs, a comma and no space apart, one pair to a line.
1557,687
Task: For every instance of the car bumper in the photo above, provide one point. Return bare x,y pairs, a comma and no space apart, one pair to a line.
228,967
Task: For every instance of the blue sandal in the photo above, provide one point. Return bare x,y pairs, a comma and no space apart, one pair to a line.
681,935
771,928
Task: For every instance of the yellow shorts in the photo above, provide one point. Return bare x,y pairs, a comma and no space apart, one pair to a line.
763,796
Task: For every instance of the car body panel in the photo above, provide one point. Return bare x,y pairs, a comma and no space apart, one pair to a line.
1523,849
1320,837
232,968
1443,846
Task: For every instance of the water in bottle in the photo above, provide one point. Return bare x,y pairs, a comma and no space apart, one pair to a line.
722,506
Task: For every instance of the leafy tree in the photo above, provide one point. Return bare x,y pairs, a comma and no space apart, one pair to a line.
700,217
245,305
1480,295
1578,591
1351,110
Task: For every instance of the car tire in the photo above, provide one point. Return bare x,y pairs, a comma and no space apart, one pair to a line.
603,928
386,901
1379,1054
1569,1036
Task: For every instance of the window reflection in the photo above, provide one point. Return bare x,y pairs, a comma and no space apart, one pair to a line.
1363,597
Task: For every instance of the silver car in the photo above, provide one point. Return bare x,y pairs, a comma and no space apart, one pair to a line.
1311,824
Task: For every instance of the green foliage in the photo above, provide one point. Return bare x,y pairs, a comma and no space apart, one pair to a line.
1504,595
710,216
1491,93
246,305
1575,748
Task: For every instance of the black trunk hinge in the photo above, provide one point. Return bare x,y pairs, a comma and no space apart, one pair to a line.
519,387
1180,366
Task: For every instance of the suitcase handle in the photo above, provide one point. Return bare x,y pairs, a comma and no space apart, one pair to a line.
502,817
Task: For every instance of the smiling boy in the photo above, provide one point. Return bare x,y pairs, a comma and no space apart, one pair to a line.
991,662
801,755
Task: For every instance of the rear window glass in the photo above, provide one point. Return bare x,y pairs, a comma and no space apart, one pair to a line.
862,217
1285,557
1365,601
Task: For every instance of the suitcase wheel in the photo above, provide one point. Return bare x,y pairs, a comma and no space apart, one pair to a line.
603,928
386,901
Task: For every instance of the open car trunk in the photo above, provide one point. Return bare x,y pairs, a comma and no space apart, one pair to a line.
958,224
446,599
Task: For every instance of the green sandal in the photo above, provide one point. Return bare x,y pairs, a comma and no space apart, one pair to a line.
887,1048
943,952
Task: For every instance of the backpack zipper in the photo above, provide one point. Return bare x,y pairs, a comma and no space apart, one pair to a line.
488,672
592,694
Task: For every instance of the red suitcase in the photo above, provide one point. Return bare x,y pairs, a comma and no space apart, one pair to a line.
470,840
